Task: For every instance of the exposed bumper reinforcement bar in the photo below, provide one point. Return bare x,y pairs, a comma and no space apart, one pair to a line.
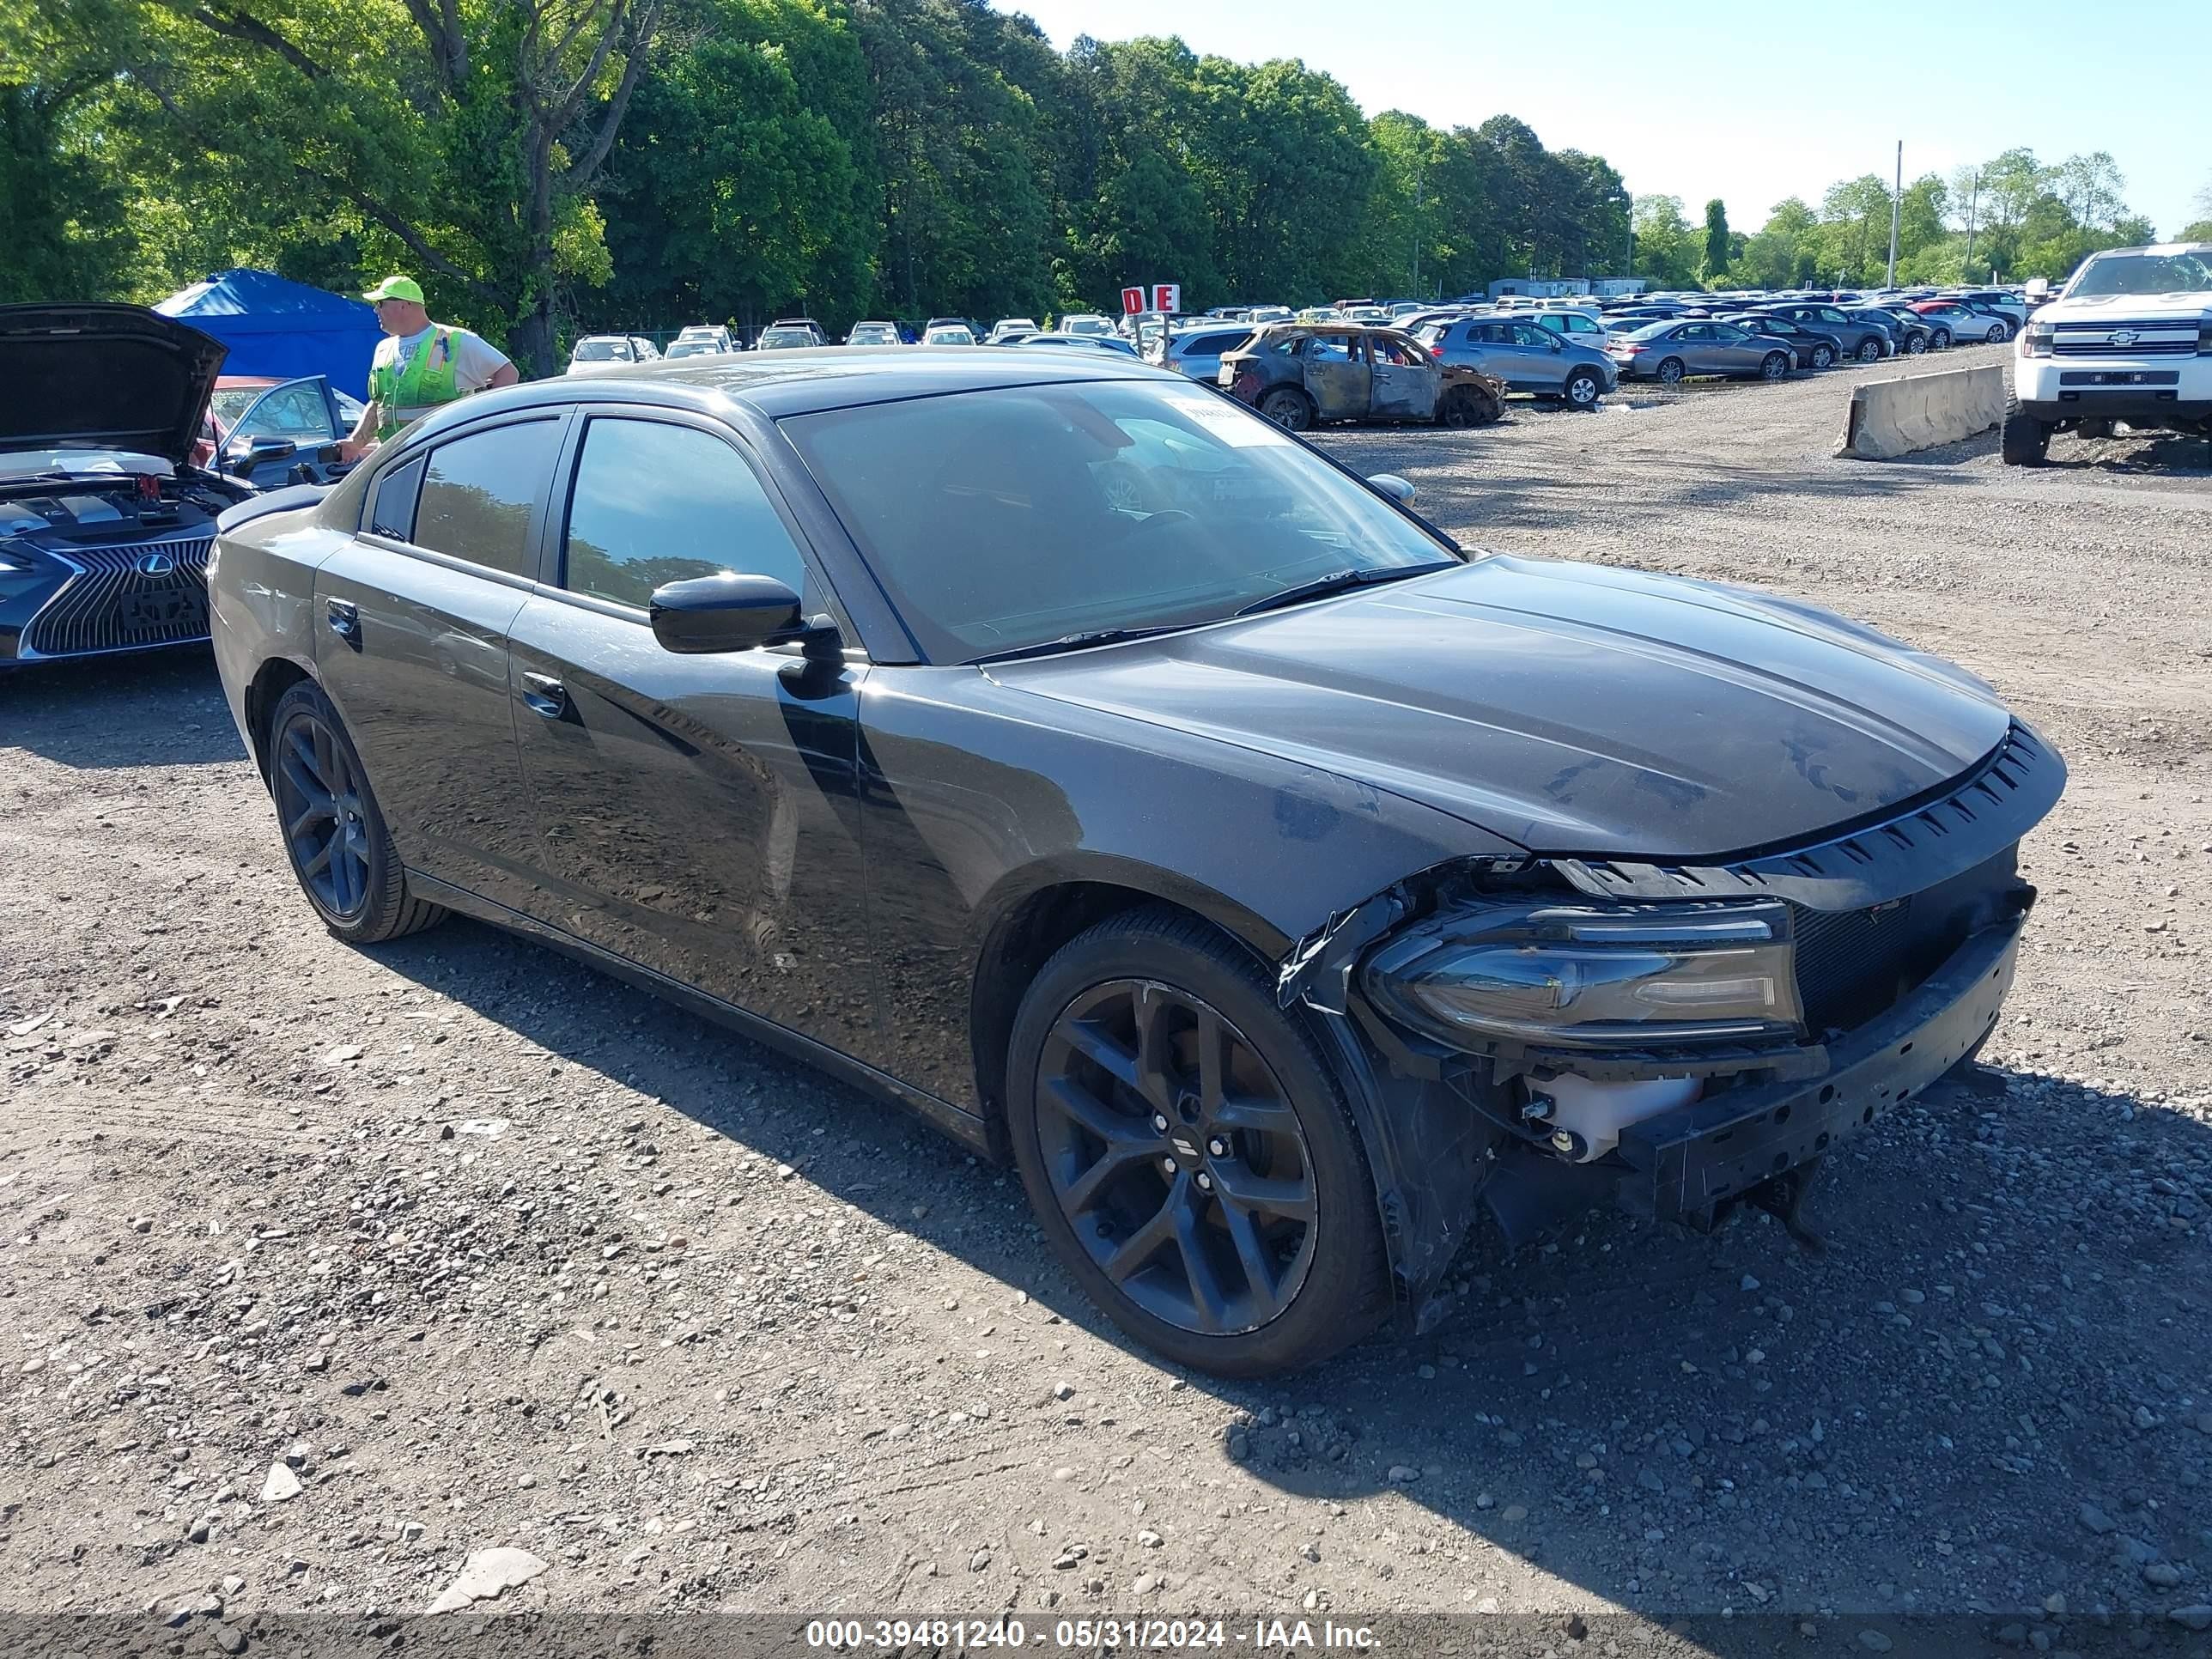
1684,1161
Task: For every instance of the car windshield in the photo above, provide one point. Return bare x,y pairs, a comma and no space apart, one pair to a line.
602,351
1010,518
2142,273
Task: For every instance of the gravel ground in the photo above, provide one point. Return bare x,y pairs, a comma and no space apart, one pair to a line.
324,1269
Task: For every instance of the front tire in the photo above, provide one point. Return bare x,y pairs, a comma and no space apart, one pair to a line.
1468,405
1187,1152
1917,345
1583,389
2022,441
334,831
1823,355
1774,365
1288,407
1869,350
1997,336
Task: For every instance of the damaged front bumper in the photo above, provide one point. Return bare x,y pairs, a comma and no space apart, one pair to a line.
1681,1164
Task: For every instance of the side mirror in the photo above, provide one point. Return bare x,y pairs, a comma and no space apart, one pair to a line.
725,612
1398,490
260,454
2038,287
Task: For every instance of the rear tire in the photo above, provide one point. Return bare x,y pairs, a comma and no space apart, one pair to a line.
1670,372
2022,441
334,831
1940,339
1288,407
1774,365
1110,1040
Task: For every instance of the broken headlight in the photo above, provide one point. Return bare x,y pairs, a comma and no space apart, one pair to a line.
1595,976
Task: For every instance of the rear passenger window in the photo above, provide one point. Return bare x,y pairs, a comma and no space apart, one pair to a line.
393,513
481,491
656,503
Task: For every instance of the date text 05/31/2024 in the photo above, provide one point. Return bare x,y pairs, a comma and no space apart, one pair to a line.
1086,1635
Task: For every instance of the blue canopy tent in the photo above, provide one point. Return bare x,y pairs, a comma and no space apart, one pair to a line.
274,325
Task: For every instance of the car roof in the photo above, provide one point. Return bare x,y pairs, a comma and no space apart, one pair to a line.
804,380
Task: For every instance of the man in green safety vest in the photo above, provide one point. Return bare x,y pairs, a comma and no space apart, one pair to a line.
420,366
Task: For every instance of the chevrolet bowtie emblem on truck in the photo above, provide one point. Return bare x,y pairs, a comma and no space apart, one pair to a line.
2124,337
155,564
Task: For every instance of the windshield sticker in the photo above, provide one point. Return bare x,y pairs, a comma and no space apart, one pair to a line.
1232,425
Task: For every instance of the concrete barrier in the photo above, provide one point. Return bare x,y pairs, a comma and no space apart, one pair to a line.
1920,411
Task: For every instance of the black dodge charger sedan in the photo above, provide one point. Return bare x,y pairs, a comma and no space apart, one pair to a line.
1063,750
105,522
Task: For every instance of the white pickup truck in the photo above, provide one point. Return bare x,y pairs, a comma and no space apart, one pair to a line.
2130,338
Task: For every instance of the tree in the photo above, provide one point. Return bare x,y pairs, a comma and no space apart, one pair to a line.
1853,235
1666,248
460,141
745,180
1783,253
1718,241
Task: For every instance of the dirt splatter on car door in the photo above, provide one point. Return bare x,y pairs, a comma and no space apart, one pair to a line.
1336,375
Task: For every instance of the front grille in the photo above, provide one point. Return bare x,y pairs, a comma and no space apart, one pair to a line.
2163,338
114,604
1851,964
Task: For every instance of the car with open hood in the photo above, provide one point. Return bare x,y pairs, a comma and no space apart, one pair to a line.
105,519
1078,757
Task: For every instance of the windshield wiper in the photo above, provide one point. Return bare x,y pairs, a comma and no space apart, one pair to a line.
1338,581
1077,642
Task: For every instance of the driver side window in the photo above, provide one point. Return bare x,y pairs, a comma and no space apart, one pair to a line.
655,503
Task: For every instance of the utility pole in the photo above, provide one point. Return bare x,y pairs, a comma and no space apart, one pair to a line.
1973,200
1896,203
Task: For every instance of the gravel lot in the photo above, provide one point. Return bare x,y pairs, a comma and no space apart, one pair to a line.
324,1269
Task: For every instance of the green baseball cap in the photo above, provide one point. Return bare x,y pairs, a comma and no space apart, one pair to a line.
395,288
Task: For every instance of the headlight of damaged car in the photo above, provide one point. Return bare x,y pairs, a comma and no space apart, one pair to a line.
1595,976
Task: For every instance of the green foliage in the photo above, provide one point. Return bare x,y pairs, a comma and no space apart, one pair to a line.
548,165
1719,245
1667,249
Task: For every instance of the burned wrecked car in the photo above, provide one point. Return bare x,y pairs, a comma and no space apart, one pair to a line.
1301,375
106,523
1075,756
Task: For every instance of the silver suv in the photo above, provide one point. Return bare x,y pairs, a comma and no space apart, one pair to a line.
1527,356
1197,352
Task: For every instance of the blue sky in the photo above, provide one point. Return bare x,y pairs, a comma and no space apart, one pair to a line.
1748,123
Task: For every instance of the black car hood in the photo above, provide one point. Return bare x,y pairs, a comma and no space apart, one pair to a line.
1571,708
103,376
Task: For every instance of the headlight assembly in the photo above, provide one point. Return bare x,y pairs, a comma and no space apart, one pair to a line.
1595,976
2035,340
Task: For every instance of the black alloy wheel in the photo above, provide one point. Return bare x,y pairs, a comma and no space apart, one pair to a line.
334,832
1186,1146
1175,1157
320,806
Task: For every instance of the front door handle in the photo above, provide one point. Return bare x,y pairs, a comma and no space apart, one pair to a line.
344,619
545,695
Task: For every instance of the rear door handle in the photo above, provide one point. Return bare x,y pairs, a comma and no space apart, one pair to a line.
546,694
344,619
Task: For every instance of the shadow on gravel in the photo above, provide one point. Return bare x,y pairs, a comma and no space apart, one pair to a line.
163,709
2148,452
1979,1397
